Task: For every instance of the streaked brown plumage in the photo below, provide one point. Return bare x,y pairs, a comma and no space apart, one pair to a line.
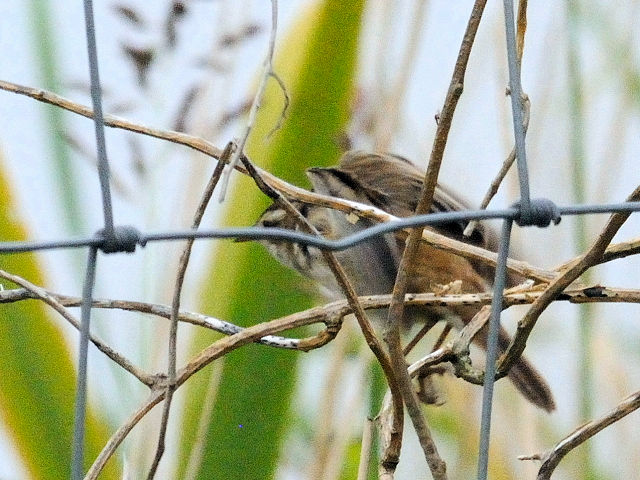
394,184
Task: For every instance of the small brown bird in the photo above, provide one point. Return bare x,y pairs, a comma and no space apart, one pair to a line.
394,184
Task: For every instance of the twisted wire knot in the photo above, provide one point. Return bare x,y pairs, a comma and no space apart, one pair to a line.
541,213
124,239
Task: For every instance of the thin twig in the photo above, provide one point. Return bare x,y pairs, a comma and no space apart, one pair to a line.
426,328
257,100
34,291
440,355
113,121
442,337
175,308
396,309
506,166
331,314
285,107
614,251
552,458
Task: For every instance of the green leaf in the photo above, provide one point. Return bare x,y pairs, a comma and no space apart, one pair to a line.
38,380
316,61
65,175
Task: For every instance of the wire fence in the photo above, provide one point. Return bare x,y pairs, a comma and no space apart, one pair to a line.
114,238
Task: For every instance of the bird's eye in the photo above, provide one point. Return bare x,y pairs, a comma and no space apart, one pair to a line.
322,228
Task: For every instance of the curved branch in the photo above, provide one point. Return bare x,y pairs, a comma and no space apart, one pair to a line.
552,458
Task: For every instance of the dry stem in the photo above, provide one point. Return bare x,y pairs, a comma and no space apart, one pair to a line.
33,291
175,309
552,458
396,308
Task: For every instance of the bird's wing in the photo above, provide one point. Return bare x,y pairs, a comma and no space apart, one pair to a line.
378,174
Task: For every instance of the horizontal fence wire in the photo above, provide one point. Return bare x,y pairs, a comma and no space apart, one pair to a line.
364,235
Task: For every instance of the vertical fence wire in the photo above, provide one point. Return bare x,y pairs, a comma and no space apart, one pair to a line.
98,118
492,349
77,461
517,111
526,217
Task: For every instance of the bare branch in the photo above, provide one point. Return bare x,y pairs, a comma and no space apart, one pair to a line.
191,141
331,315
552,458
175,308
396,309
266,74
42,294
495,184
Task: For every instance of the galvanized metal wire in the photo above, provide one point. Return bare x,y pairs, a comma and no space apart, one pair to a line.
261,233
515,88
77,461
492,348
81,385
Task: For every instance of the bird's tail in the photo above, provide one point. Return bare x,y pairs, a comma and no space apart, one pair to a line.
528,380
524,376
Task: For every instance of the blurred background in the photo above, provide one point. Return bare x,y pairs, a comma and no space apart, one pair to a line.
371,75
